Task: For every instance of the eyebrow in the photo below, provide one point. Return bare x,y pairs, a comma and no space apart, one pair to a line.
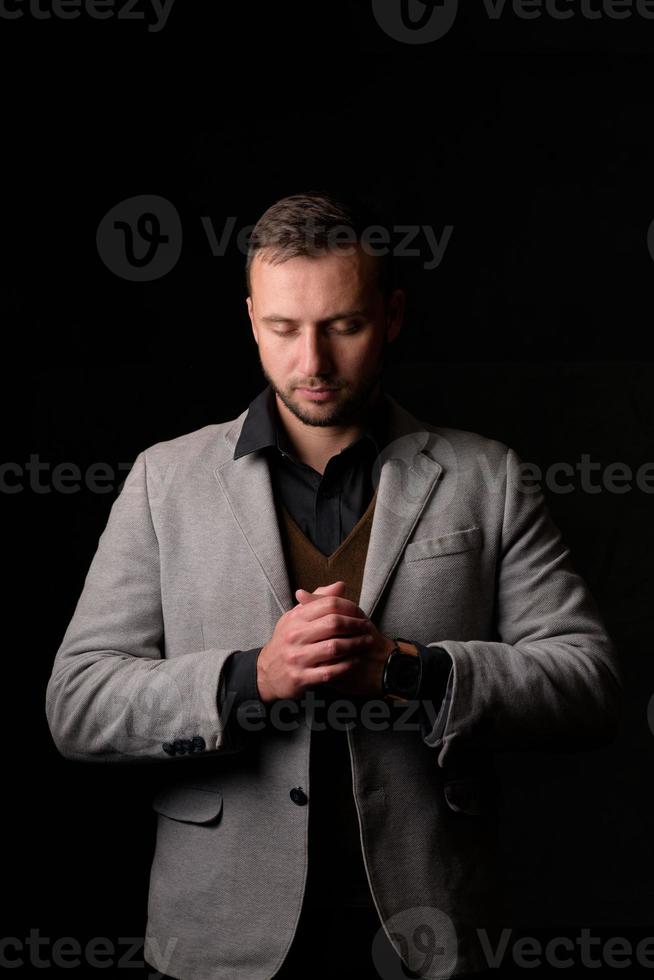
330,319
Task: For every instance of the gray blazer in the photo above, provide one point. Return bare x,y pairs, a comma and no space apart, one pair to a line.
190,568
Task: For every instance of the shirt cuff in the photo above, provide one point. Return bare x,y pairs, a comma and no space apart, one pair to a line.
436,669
240,676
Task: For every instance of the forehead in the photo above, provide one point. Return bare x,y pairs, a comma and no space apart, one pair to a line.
311,284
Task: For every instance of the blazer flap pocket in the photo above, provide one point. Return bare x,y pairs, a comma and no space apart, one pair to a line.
446,544
191,804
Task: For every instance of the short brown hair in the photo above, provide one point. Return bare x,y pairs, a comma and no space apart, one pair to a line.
313,223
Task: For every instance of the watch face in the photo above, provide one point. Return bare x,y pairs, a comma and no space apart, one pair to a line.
403,674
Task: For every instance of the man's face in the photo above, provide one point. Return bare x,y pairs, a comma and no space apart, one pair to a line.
321,326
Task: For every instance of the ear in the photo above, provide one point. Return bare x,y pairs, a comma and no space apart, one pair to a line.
250,307
395,314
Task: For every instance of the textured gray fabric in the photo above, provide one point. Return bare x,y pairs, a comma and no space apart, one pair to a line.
190,568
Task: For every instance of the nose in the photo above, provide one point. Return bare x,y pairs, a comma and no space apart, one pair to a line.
315,357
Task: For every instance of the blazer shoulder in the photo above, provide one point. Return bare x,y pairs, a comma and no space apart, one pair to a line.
452,439
468,443
207,444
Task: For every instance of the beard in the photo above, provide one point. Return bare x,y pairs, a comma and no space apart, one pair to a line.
350,408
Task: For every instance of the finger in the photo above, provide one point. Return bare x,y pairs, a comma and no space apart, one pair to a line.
335,649
334,625
325,604
325,674
302,595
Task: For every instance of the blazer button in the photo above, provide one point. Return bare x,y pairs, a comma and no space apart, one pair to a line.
199,744
298,795
180,746
168,748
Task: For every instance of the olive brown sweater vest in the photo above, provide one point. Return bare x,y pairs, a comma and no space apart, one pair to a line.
308,567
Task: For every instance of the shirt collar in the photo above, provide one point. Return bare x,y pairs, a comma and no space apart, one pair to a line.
261,428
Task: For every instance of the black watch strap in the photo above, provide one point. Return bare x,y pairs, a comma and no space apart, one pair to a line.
402,672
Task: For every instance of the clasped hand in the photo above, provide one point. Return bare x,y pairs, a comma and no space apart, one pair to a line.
324,639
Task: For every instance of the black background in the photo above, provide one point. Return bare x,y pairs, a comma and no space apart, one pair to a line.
534,141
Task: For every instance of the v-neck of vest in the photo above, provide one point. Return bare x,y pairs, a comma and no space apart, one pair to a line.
344,542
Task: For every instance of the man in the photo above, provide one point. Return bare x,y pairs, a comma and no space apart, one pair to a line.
326,764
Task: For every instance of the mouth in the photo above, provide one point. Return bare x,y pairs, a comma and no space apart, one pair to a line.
318,394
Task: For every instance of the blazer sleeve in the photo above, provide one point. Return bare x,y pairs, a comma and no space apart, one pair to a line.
112,696
552,680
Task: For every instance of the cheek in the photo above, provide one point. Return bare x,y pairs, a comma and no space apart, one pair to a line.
366,354
272,354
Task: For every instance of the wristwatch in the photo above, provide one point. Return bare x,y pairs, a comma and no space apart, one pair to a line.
402,672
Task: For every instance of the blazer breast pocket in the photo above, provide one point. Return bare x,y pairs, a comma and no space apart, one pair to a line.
455,542
188,804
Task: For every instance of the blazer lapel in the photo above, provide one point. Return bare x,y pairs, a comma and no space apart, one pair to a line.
247,485
405,475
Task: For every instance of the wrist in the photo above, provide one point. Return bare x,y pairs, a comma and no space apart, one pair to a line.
265,694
